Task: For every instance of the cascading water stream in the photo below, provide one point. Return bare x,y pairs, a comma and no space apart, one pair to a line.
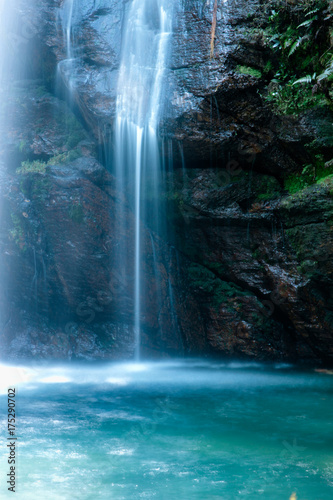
65,68
139,104
67,25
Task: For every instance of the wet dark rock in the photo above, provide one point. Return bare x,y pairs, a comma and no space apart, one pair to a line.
38,126
269,252
62,294
57,249
212,112
247,273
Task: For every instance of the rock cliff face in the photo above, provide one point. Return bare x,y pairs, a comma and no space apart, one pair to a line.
61,292
247,269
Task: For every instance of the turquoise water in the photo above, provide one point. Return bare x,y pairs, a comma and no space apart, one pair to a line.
177,430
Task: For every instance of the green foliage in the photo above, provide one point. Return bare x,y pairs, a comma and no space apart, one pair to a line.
268,188
17,233
40,167
64,158
327,74
297,44
205,280
22,145
32,167
247,70
306,79
76,212
73,128
295,182
268,196
311,174
269,67
288,99
301,36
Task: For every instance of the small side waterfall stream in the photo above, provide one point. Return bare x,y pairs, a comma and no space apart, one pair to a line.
65,68
147,32
67,26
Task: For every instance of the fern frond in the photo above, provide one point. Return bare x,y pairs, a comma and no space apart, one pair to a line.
297,44
307,23
326,74
314,11
305,79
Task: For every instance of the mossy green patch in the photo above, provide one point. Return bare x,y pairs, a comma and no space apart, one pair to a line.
313,173
32,167
247,70
64,158
76,212
307,242
267,188
17,233
40,167
288,99
205,280
268,68
73,128
22,145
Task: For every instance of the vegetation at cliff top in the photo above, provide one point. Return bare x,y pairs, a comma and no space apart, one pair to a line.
301,38
301,35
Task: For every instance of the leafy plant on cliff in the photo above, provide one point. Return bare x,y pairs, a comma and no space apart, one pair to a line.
76,212
247,70
32,167
311,174
63,158
17,233
206,281
40,167
301,35
22,145
288,99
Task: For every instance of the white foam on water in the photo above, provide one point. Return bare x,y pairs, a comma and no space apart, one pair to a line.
122,452
118,381
14,376
55,379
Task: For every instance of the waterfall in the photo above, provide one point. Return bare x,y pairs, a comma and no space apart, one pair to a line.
135,157
147,31
67,27
65,68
